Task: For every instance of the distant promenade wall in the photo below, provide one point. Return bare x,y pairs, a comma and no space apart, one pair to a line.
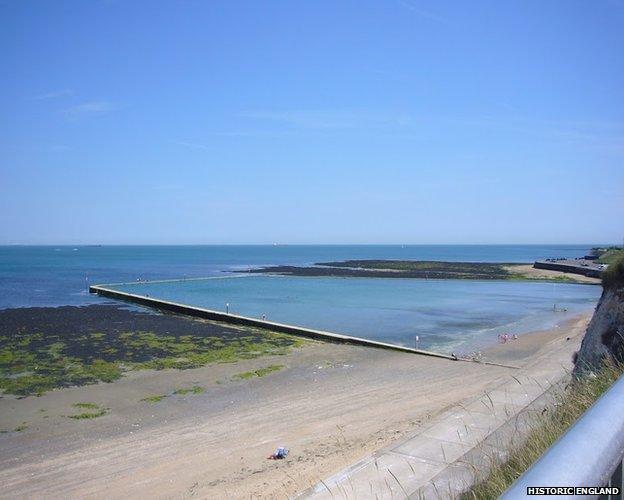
570,266
198,312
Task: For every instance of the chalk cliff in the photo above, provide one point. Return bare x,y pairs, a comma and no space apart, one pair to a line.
605,333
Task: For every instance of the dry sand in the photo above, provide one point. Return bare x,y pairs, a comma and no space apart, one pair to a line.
331,405
528,271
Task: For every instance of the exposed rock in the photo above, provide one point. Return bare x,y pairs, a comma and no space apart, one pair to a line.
605,334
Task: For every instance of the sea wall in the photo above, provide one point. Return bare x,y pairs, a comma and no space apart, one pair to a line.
568,267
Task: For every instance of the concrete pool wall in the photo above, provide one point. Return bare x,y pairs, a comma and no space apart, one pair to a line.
198,312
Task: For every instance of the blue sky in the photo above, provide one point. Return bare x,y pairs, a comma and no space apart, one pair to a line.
311,122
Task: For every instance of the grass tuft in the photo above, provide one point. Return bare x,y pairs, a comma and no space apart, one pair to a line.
572,403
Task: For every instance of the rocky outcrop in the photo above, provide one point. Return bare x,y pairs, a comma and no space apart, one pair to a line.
605,334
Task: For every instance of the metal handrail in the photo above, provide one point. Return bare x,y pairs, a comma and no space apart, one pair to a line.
589,454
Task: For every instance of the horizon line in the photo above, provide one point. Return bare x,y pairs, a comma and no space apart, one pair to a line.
296,244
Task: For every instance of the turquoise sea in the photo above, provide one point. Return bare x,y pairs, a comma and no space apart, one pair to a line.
446,315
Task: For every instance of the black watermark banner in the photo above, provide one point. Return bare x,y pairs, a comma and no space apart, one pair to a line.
572,490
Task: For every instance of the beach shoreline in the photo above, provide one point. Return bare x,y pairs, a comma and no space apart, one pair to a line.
215,443
529,344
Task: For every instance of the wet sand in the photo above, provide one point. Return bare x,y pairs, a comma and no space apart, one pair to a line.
527,346
331,405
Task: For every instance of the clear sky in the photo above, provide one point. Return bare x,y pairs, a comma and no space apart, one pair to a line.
390,121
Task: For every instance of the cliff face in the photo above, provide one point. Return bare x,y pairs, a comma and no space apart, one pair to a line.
605,333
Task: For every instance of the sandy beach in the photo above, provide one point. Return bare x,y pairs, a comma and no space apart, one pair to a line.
330,405
530,272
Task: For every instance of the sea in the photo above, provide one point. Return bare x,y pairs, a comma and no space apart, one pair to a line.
442,315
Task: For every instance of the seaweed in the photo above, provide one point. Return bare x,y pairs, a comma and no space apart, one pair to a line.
42,349
193,390
154,399
261,372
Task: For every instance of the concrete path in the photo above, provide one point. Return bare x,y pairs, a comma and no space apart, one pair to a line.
458,445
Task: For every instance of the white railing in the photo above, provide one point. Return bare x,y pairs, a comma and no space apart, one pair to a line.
589,454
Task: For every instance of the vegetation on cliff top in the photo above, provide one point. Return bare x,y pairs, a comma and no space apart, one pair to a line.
551,424
608,255
613,276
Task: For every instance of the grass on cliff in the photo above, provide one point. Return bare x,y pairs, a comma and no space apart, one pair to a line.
613,276
578,397
609,255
